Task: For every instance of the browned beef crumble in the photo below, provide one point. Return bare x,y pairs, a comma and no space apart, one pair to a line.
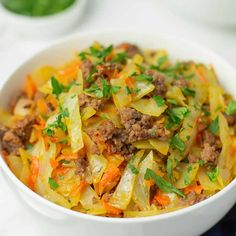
181,83
13,139
81,165
86,68
88,101
107,70
231,119
140,127
158,82
193,198
130,49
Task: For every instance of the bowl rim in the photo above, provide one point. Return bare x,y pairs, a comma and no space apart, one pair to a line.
52,17
102,219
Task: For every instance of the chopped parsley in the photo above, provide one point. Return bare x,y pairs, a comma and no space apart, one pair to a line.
144,77
105,91
131,90
188,92
53,184
214,127
177,143
161,60
101,53
231,109
133,168
212,175
57,88
172,101
58,123
83,55
201,162
120,57
159,100
177,114
187,180
161,183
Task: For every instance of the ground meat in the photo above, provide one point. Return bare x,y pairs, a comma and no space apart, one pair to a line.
116,140
231,119
159,82
181,83
130,49
107,70
87,101
86,68
193,158
11,142
201,124
140,126
81,165
209,154
3,130
193,198
23,128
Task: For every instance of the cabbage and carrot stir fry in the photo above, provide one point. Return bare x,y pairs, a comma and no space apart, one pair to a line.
122,132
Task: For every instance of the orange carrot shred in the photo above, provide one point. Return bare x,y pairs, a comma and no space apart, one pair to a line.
162,199
34,171
129,81
193,188
42,105
112,211
79,188
54,163
30,87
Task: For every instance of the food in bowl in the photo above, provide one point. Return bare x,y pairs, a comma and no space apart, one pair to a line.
122,132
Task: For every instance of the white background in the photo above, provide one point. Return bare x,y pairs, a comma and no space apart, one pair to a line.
150,15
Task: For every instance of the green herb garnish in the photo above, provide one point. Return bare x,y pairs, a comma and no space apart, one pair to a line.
212,175
214,127
169,169
231,109
52,183
57,88
101,53
161,183
133,168
144,77
120,57
188,92
177,143
201,162
159,100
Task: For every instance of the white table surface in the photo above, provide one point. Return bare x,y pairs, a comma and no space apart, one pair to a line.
150,15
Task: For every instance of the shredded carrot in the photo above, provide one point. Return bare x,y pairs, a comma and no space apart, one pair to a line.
72,156
193,188
62,170
234,143
54,163
30,87
200,75
129,81
42,105
162,199
112,211
79,188
110,177
70,71
34,171
150,182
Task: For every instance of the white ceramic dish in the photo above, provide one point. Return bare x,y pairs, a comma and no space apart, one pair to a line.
46,25
193,220
215,12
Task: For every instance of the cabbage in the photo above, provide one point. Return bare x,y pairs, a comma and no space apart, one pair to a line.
141,194
160,146
91,202
144,89
97,162
187,173
87,112
142,144
148,107
225,160
23,107
70,102
123,193
25,173
176,94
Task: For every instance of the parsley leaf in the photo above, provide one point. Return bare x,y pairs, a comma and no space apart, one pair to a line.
212,175
83,55
188,92
201,162
52,183
161,60
133,168
101,53
120,57
214,127
159,100
57,88
177,143
164,185
144,77
177,114
231,109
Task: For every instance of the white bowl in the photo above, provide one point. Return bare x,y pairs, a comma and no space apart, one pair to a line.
215,12
44,25
193,220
